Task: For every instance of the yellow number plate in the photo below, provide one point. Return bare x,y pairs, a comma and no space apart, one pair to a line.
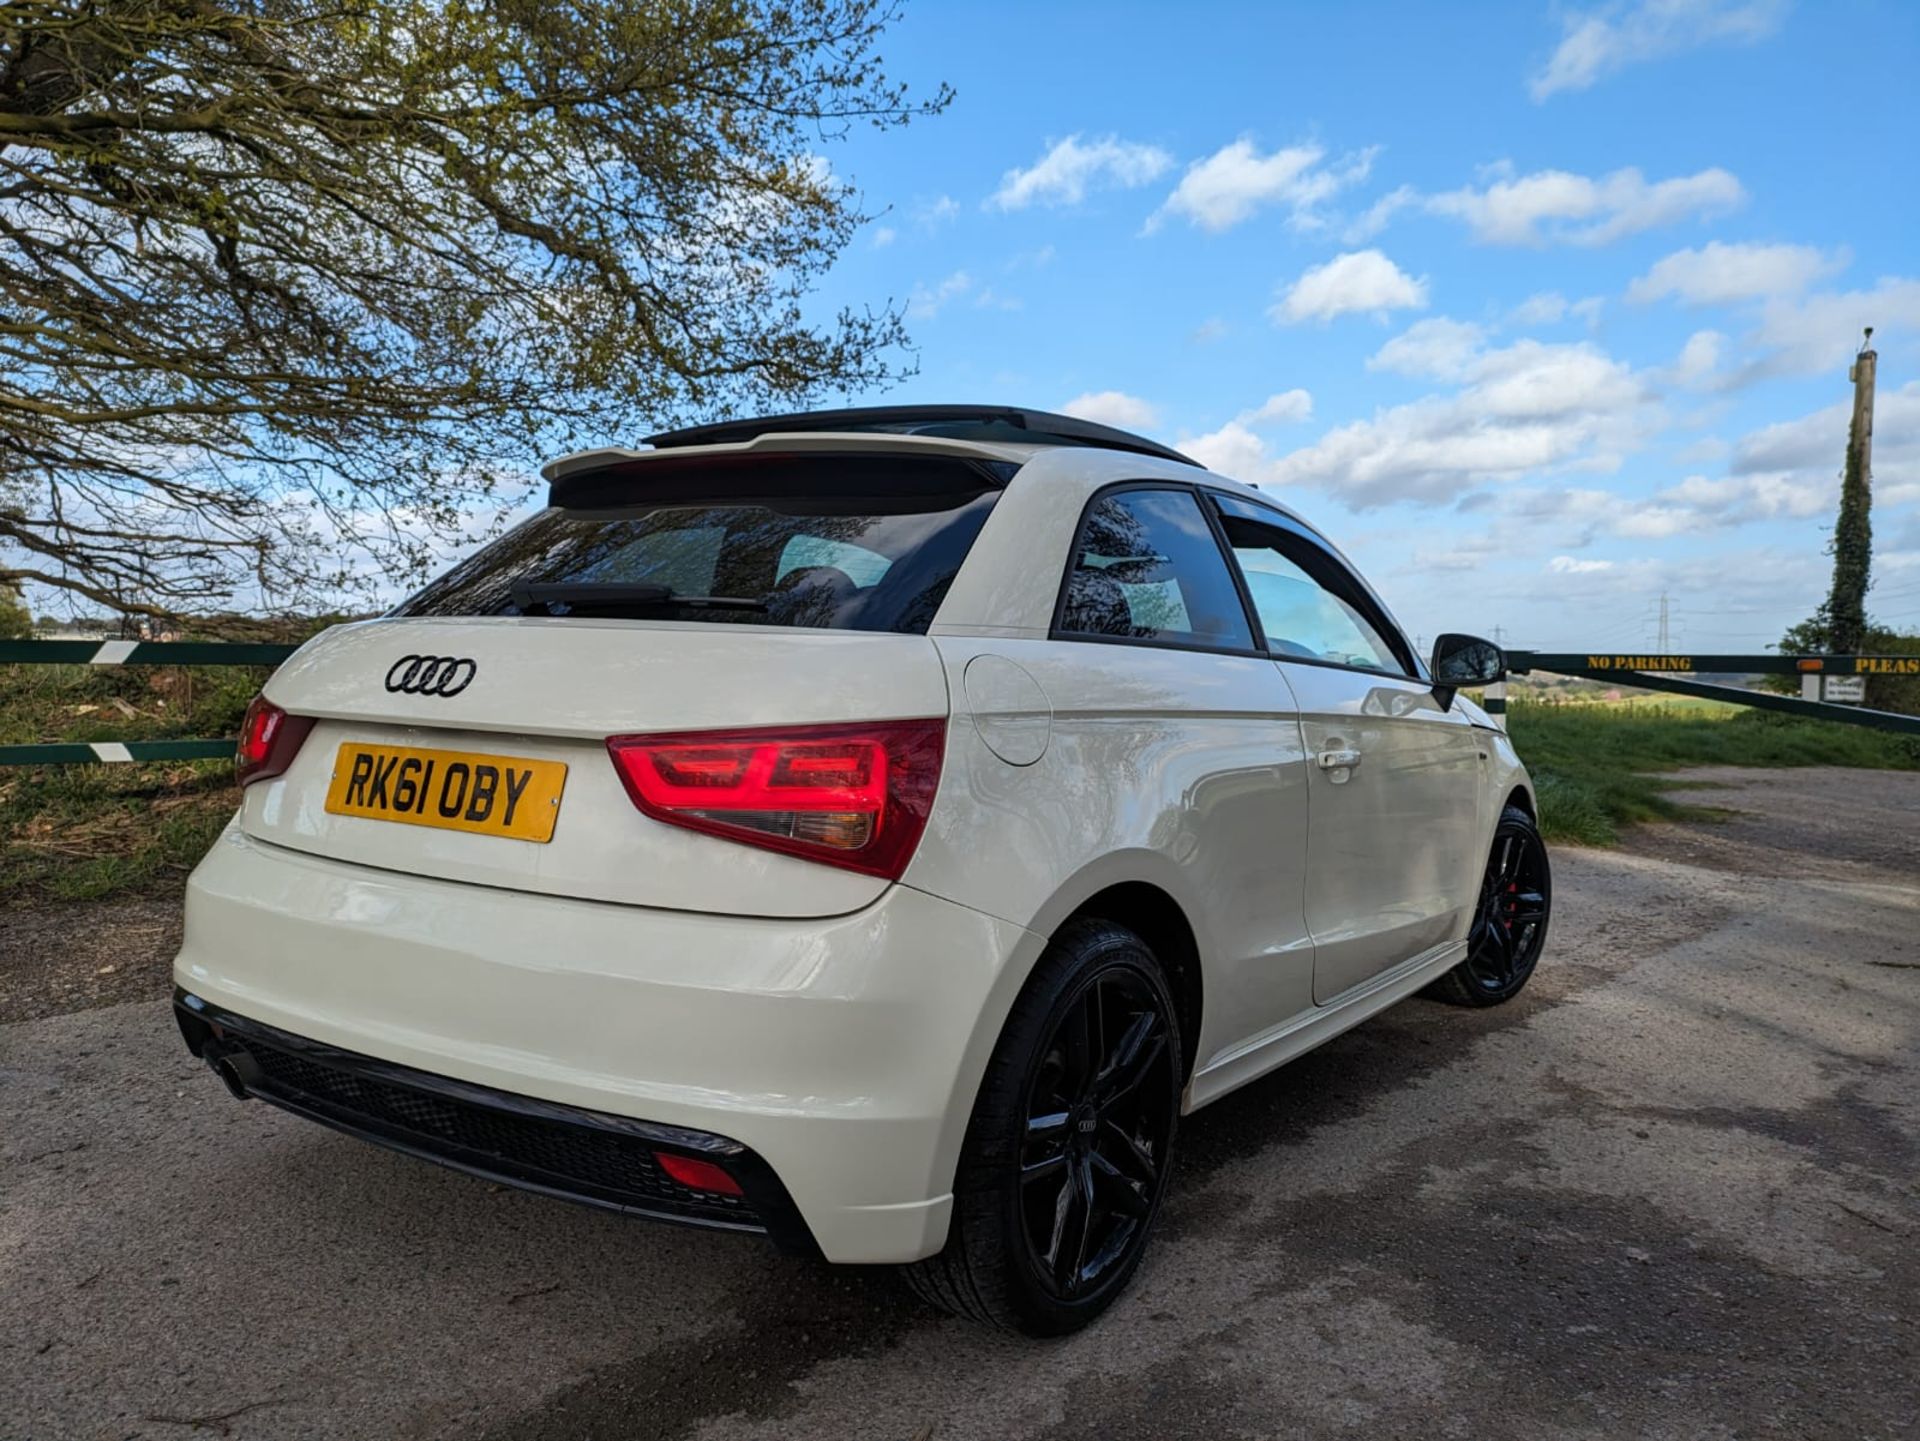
450,790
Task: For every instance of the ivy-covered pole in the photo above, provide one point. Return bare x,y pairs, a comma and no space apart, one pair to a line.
1846,608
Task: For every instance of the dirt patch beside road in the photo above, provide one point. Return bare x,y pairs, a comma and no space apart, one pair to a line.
1670,1192
61,958
1822,823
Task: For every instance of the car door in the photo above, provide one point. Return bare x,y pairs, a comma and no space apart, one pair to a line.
1187,743
1394,775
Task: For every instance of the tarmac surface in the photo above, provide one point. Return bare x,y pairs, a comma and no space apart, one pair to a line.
1671,1191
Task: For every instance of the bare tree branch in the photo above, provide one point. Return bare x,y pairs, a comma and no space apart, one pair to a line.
290,289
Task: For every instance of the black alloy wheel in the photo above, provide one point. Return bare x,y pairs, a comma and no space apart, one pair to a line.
1099,1124
1510,919
1067,1155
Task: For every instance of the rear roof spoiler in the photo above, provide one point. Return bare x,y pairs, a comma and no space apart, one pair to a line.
994,424
776,466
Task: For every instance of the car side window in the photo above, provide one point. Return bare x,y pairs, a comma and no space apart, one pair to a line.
1309,606
1147,567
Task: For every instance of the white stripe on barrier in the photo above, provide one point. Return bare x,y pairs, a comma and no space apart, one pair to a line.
113,652
111,750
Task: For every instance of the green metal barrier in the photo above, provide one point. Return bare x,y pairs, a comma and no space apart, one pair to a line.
1674,674
141,652
1587,663
130,652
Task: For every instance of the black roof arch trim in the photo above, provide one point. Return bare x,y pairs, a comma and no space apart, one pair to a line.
1005,425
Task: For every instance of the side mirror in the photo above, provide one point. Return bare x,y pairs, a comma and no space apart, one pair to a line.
1460,661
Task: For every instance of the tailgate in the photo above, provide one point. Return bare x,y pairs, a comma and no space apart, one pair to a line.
536,695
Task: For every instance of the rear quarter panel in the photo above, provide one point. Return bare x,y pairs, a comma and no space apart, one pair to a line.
1183,770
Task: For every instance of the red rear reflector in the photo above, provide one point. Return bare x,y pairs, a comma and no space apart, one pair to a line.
697,1174
855,796
269,740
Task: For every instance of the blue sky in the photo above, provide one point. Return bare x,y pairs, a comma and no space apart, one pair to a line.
1539,310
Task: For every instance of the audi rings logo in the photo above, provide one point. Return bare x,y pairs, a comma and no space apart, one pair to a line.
431,675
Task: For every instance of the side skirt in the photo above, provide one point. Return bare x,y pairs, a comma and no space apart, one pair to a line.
1262,1054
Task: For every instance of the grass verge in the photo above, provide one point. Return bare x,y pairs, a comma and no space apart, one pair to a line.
1599,767
70,833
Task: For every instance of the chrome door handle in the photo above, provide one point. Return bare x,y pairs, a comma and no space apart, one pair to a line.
1339,760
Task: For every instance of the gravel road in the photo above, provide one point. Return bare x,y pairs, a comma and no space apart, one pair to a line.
1673,1191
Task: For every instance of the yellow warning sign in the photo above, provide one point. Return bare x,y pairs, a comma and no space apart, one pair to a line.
1640,662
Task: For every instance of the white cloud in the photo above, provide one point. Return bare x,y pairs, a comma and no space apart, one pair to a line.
1558,205
1821,331
884,236
1599,42
1550,307
1531,408
1568,565
1577,517
1113,407
1735,500
1708,494
1377,216
1702,451
1524,409
1468,552
1232,450
926,301
1363,281
932,214
1435,349
1070,170
1236,180
1287,407
1545,308
1699,361
1786,471
1531,381
1812,448
1212,329
1721,274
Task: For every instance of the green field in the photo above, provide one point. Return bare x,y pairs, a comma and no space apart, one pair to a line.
1598,764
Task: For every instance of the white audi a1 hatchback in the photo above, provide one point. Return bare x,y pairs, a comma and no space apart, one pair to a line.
872,828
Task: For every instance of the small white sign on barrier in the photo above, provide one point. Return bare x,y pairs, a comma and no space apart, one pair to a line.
1845,689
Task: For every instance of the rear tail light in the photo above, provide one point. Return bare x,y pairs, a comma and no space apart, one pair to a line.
269,740
854,796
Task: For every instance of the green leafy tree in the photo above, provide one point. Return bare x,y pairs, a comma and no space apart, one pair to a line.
16,621
1844,615
1884,692
291,290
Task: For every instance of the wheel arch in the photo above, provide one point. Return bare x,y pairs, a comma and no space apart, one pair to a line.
1157,918
1136,889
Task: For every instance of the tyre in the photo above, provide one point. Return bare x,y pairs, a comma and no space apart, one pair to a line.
1510,924
1067,1154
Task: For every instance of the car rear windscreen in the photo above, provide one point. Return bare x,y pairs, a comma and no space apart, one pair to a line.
848,547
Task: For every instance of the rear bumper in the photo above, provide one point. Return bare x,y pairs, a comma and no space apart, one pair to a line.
563,1151
842,1052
